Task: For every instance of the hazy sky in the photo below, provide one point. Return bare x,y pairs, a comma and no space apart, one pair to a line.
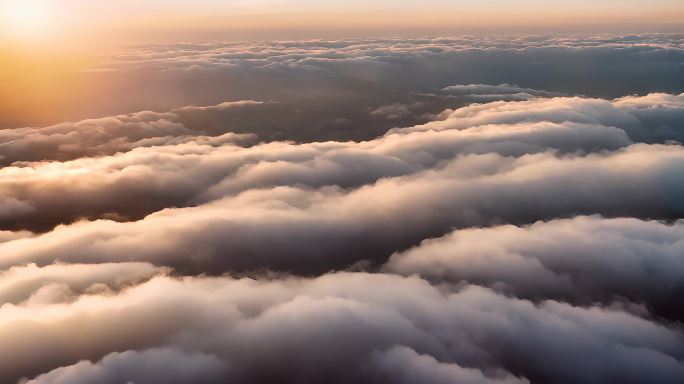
171,19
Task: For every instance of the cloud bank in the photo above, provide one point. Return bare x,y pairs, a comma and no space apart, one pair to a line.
267,330
188,170
339,221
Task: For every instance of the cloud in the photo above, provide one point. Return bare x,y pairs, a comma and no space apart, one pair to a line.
651,119
170,366
503,92
581,260
362,211
10,235
192,169
313,230
392,111
325,89
282,330
607,66
11,207
404,365
18,284
107,136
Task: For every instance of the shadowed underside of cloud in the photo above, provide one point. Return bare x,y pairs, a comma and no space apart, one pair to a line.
364,226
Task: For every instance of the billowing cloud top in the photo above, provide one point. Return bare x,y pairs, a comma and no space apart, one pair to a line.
368,229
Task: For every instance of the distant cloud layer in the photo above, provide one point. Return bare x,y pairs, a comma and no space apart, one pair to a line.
474,232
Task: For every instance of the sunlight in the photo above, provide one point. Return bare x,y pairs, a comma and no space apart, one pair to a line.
26,18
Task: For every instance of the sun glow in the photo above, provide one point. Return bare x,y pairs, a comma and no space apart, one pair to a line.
26,18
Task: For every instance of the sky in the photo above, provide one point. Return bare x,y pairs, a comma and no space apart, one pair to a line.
129,20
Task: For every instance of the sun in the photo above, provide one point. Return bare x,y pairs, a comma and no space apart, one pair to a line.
25,17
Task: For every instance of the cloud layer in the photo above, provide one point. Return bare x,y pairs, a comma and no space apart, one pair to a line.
192,169
583,260
339,221
283,330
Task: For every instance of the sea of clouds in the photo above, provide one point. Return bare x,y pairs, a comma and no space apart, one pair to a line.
456,210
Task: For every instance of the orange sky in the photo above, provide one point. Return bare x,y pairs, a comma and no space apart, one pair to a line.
79,21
